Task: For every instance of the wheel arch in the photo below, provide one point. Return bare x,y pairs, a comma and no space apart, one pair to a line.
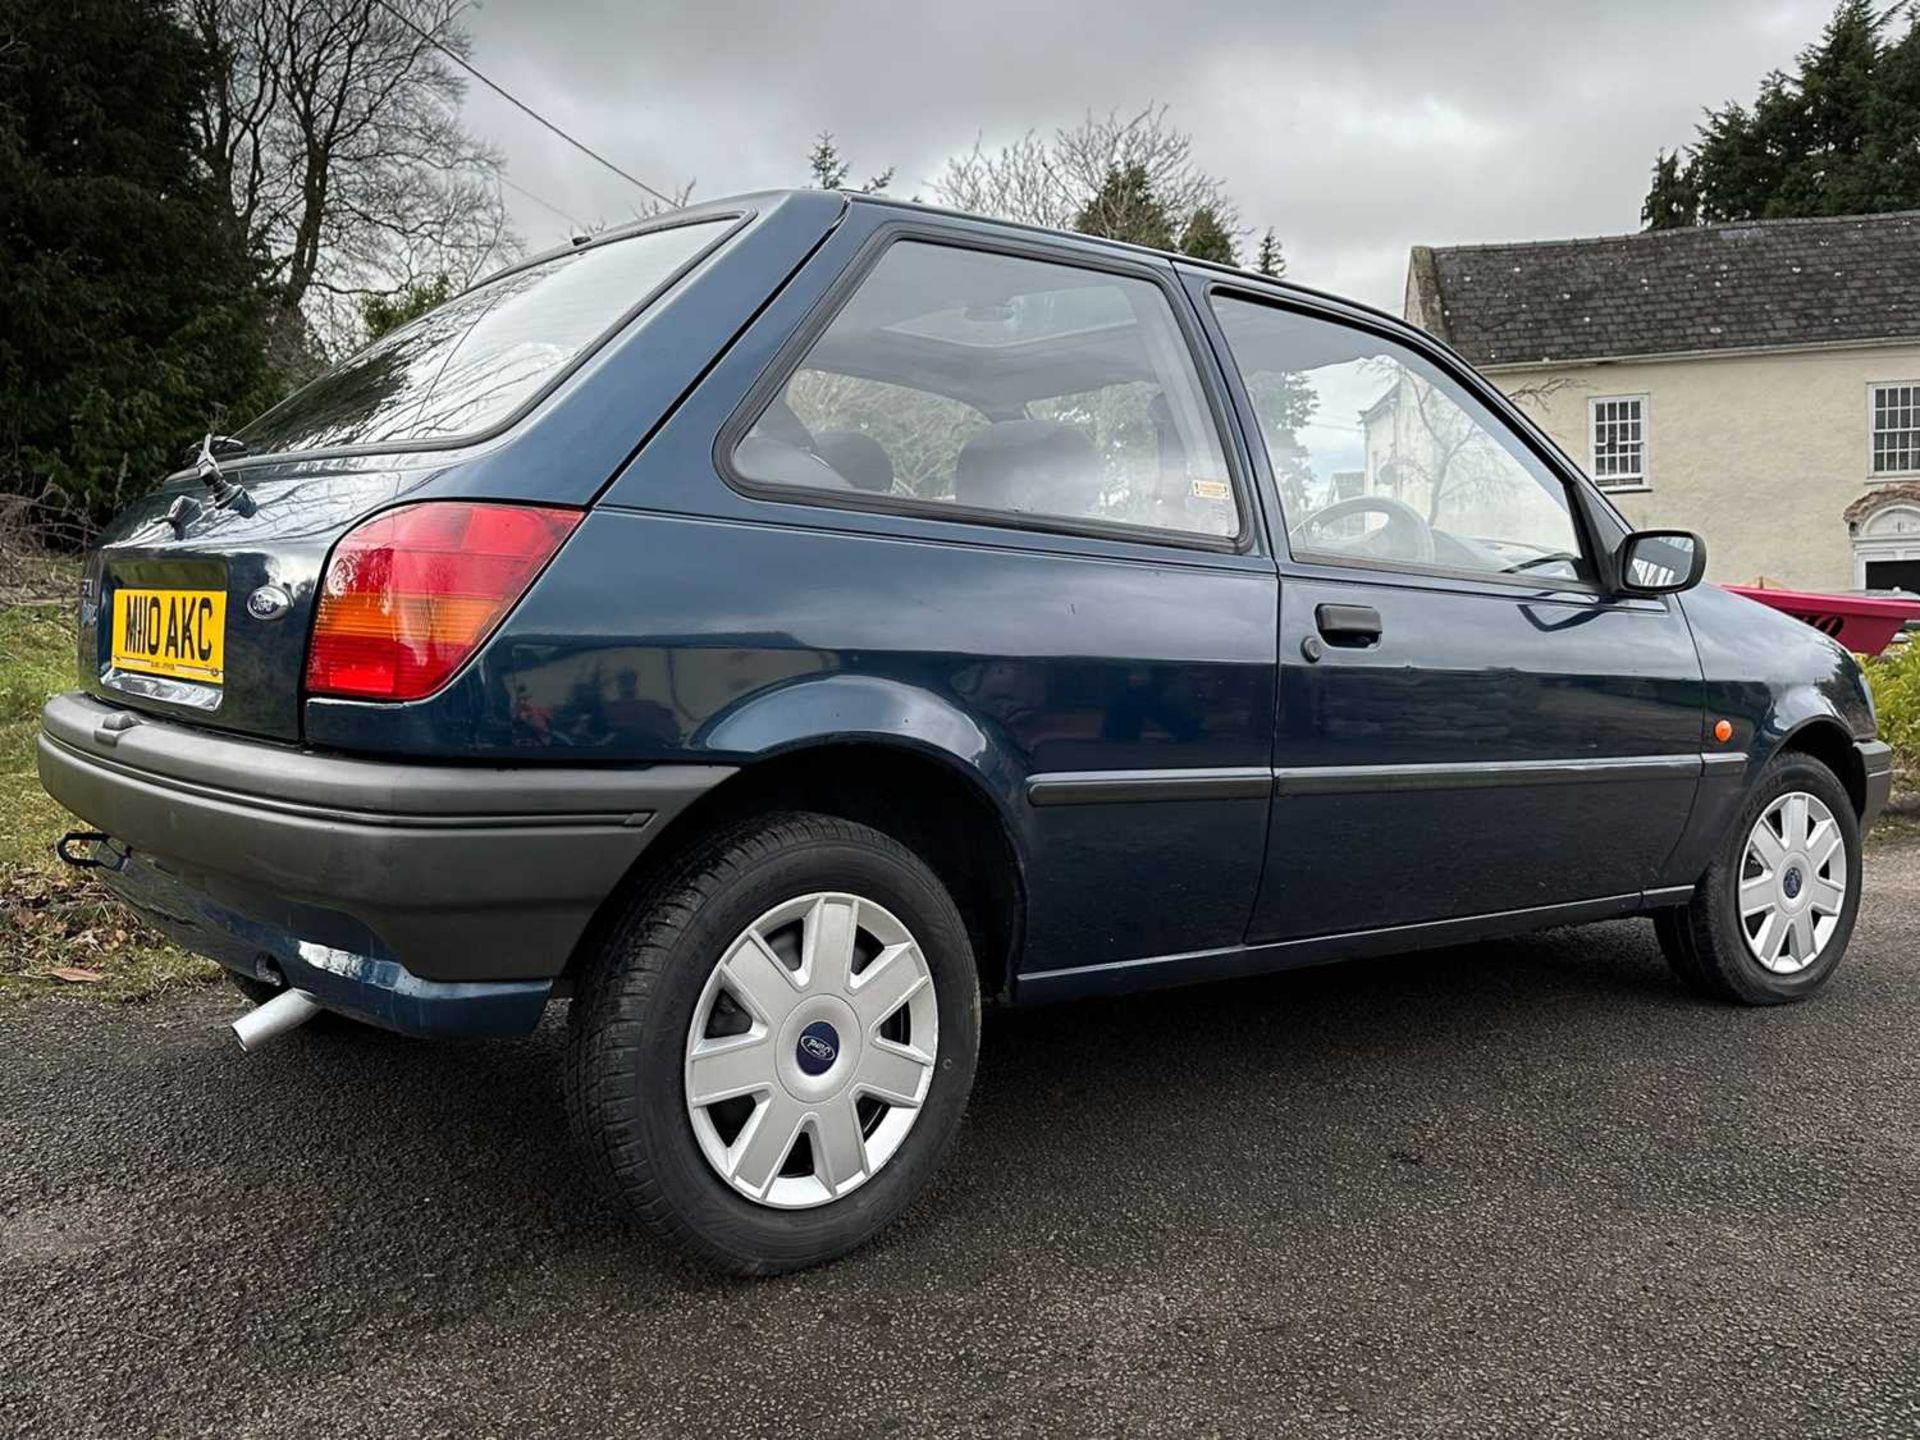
935,803
1825,739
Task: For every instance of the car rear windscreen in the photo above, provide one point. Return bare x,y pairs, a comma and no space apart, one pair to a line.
469,365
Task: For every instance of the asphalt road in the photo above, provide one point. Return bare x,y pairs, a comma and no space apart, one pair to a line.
1524,1189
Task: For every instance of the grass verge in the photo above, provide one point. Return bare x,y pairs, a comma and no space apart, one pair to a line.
53,917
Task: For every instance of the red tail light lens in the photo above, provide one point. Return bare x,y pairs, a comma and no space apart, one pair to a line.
411,593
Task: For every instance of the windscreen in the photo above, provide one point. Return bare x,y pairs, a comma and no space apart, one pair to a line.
470,364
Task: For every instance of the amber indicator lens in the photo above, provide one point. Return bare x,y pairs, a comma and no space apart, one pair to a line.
411,593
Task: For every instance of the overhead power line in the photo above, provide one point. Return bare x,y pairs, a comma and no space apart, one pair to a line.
547,205
518,103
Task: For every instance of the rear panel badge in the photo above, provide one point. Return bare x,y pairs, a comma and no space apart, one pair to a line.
269,602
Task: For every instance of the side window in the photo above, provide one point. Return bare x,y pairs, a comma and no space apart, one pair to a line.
1383,459
1001,384
909,440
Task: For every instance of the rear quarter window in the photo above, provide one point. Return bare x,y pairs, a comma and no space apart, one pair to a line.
470,365
998,386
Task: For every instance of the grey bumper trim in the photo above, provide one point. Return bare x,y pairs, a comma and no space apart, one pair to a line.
368,791
1876,762
457,872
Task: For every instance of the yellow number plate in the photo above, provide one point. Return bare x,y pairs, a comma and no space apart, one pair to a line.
181,633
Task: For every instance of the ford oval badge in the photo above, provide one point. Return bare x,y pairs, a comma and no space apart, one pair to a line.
269,602
819,1047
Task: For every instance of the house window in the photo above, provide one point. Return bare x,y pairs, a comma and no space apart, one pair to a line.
1619,424
1896,428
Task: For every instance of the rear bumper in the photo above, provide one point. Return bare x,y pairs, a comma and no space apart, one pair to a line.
1876,759
382,884
380,991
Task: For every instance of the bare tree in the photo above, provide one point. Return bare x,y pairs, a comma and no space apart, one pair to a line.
1016,182
1050,180
335,127
1540,392
651,206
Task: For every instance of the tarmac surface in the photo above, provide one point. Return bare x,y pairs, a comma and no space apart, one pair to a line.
1521,1189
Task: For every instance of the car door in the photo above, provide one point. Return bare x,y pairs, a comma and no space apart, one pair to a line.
975,496
1467,725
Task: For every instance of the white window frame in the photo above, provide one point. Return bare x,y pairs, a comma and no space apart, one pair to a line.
1874,387
1621,483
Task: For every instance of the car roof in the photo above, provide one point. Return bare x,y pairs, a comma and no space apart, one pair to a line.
762,200
1123,247
931,374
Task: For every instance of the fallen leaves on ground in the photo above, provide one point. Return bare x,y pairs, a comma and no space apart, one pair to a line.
61,927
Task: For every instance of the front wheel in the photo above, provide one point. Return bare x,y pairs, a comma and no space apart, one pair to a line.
772,1049
1770,919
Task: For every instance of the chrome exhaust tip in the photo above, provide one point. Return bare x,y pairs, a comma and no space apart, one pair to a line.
266,1022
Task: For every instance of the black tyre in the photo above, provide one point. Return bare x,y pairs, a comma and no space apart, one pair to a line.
772,1047
1770,920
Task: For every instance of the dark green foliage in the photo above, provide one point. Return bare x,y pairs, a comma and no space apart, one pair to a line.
1285,401
1836,138
383,313
830,171
1126,208
131,319
1205,237
1895,677
1269,261
1674,199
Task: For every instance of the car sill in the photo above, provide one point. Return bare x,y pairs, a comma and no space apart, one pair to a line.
1239,961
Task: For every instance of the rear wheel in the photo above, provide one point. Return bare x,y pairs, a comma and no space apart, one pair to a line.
772,1049
1770,920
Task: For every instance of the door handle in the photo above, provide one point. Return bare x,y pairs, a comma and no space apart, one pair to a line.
1354,626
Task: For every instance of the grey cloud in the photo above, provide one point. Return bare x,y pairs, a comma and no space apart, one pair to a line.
1355,130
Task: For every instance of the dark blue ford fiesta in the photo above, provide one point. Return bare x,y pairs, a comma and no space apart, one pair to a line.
784,623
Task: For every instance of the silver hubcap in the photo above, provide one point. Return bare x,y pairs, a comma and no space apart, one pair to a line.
811,1050
1793,883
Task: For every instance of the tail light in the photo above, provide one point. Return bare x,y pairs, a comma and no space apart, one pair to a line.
411,593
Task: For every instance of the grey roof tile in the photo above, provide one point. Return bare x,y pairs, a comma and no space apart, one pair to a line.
1711,287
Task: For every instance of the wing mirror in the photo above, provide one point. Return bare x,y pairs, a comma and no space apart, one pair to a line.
1659,562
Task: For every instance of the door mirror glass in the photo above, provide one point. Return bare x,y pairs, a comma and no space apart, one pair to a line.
1660,562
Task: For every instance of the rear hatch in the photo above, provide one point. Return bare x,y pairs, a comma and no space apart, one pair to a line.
203,610
205,617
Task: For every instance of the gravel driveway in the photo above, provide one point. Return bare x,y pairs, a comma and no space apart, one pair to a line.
1522,1189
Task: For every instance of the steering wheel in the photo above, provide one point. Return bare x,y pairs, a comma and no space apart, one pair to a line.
1406,531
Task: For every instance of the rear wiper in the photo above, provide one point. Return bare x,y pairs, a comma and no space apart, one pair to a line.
227,495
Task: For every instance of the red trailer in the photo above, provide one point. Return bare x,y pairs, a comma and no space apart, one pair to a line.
1865,624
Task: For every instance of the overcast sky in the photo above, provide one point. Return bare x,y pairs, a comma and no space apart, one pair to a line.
1354,129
